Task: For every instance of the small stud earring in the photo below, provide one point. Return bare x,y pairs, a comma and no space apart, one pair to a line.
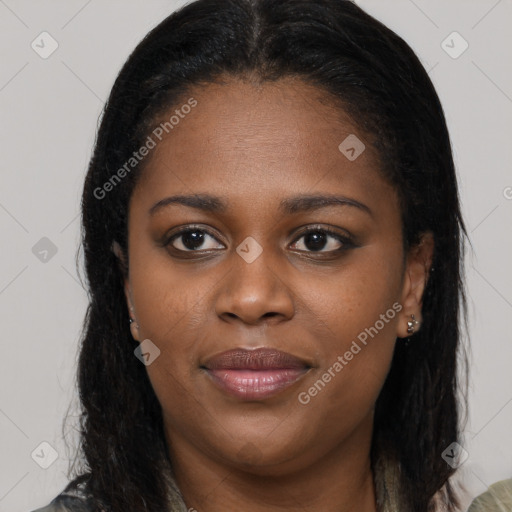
412,324
131,319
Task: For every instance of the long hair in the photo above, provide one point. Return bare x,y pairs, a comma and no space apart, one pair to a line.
373,76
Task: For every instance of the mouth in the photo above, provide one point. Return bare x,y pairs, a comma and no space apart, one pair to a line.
255,374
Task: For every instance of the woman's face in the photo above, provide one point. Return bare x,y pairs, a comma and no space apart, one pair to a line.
247,275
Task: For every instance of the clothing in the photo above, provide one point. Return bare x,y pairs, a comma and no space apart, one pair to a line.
78,501
498,498
386,485
69,501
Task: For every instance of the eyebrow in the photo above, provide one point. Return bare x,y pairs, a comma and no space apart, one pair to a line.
291,205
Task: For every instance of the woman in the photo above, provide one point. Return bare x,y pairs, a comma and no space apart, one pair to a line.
273,245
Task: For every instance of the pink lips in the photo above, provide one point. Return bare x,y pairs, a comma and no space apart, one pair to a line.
255,374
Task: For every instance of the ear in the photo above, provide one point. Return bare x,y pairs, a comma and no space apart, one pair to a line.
123,266
417,269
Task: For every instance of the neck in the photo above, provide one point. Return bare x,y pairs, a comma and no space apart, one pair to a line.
338,481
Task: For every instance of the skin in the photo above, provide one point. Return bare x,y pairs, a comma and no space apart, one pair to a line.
255,145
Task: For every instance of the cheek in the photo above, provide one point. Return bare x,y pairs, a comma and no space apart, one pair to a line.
170,308
354,298
167,300
357,312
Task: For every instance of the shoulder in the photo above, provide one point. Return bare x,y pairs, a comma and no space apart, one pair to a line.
66,505
69,501
497,498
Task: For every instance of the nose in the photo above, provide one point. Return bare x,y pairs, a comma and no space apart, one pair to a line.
255,292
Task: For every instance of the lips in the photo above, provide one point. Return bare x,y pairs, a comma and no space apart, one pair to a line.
255,374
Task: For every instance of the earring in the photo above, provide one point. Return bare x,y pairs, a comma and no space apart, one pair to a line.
411,325
136,325
131,319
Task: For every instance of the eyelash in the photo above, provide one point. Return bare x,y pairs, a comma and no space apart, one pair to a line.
346,241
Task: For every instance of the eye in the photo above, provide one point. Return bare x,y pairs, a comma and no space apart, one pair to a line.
317,238
193,239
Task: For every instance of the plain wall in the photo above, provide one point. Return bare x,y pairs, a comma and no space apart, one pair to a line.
49,112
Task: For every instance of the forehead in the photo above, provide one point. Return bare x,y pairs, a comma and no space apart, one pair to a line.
264,140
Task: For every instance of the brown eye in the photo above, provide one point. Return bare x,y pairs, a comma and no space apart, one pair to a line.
193,239
318,239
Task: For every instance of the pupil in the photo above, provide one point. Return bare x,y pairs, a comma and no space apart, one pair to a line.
314,241
193,239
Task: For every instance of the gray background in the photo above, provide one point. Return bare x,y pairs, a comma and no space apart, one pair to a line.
49,112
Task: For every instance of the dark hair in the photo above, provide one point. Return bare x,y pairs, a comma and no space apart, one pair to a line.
375,77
